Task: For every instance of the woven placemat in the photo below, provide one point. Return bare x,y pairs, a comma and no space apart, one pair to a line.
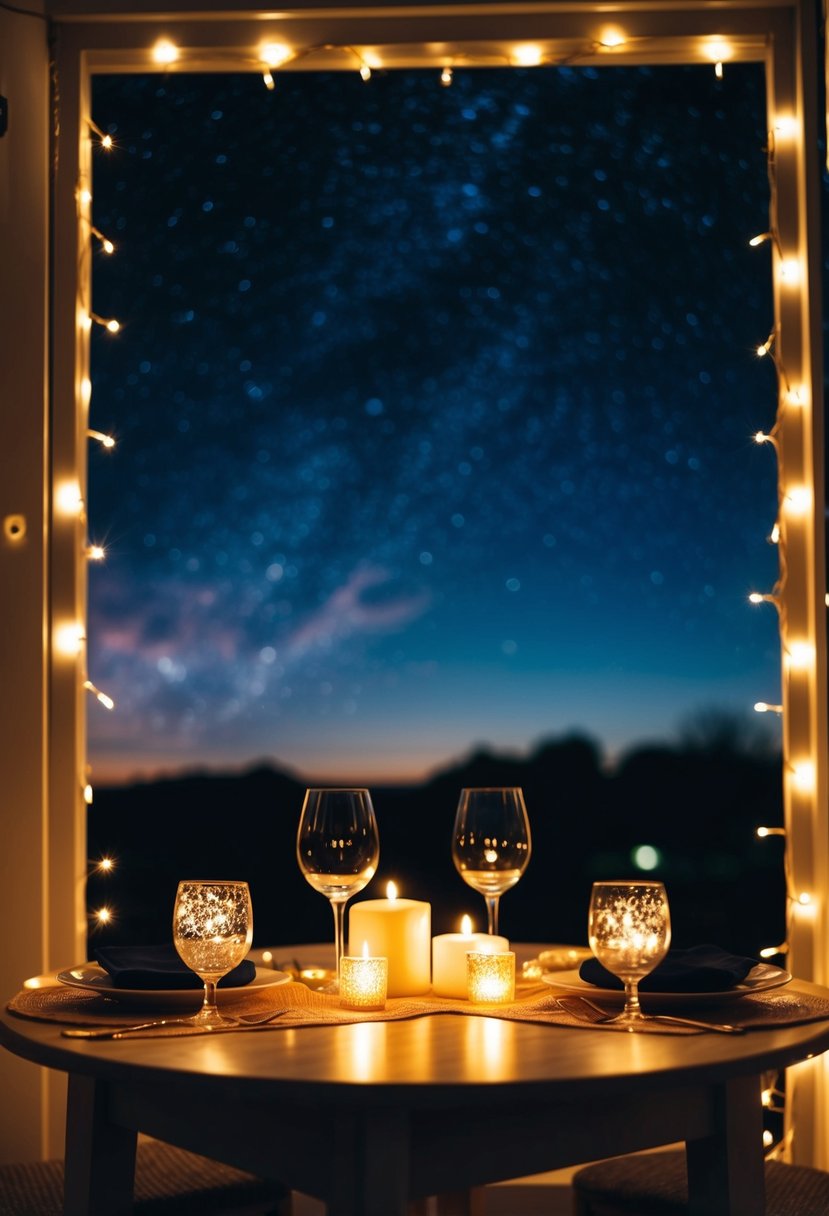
303,1007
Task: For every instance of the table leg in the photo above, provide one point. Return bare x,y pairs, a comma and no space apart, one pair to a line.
100,1157
725,1171
371,1174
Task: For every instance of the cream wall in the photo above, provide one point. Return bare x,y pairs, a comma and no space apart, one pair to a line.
24,248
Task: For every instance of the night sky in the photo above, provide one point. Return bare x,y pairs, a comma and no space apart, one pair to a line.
434,412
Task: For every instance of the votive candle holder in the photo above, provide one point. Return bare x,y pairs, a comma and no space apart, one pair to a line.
490,978
363,982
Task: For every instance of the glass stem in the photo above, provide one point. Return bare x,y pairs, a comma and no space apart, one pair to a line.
633,1010
492,913
209,1008
338,906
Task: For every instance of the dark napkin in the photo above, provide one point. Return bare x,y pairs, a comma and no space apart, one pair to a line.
698,969
160,967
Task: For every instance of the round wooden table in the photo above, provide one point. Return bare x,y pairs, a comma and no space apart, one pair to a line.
370,1116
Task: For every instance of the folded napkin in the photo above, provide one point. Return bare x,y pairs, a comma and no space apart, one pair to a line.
160,967
699,969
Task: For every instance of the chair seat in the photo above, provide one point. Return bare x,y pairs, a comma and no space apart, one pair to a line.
168,1182
656,1184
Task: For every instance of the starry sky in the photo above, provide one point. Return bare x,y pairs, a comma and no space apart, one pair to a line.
434,411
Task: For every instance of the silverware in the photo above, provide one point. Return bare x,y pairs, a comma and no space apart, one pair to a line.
248,1022
597,1015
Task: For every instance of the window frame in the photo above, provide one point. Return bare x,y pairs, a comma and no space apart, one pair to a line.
92,38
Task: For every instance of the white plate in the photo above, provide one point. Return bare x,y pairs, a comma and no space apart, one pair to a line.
92,978
761,978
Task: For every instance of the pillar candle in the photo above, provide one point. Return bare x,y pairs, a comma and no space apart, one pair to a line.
399,930
449,951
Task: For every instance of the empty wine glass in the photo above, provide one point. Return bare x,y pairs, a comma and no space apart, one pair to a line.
491,843
629,931
212,932
338,848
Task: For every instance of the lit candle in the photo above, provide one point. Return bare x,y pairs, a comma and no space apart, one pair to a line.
491,977
399,930
449,951
363,981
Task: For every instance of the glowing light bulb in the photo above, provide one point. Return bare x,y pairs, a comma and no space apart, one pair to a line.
68,498
274,53
762,437
69,638
798,500
87,794
800,655
789,272
446,77
165,51
85,195
718,70
103,916
717,50
611,36
106,865
267,76
86,390
768,1139
785,126
106,441
764,348
106,142
764,832
365,71
804,899
109,324
803,776
797,395
96,553
760,239
763,707
774,535
756,598
105,700
528,55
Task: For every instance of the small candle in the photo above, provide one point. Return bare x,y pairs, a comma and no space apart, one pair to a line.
449,951
491,977
399,930
363,981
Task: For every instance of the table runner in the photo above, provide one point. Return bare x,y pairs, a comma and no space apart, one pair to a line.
534,1003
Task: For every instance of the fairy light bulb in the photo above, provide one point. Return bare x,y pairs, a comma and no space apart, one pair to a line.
85,196
774,535
804,899
86,390
165,52
68,498
103,916
761,437
763,707
446,77
798,500
785,126
789,272
803,776
797,396
764,348
763,832
274,53
87,794
106,244
108,323
69,639
800,655
267,77
95,553
365,71
104,699
611,36
527,55
106,441
760,239
106,865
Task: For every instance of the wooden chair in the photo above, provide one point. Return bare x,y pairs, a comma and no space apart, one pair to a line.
656,1184
168,1182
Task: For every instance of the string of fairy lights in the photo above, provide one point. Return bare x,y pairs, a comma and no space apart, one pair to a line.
794,502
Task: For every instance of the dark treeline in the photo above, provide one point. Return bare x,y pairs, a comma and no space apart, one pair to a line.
697,802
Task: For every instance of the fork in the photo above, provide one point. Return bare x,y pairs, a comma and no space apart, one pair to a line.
245,1022
599,1015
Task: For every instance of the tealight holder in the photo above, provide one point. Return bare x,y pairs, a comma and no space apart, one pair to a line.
363,982
490,978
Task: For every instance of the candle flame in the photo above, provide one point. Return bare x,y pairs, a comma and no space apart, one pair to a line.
391,890
365,949
466,925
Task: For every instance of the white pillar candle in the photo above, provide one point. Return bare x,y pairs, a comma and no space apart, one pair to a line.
399,930
449,951
491,978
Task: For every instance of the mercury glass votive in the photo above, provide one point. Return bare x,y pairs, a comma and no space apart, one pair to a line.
363,982
490,978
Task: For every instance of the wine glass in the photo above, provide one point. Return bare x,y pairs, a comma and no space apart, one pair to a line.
338,847
629,931
491,843
212,932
